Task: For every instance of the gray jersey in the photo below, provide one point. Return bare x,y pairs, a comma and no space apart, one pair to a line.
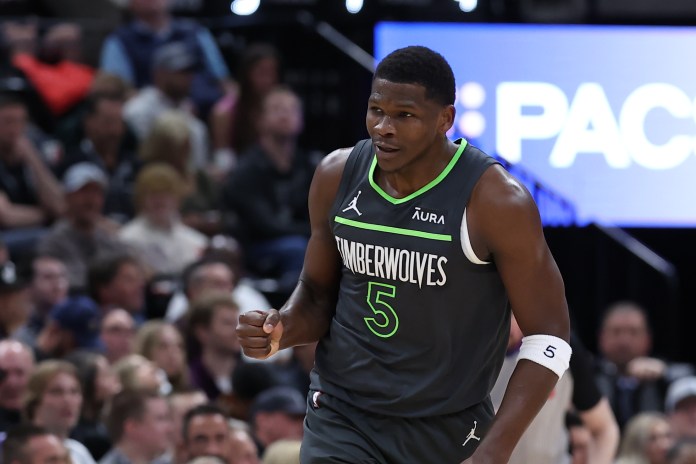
419,330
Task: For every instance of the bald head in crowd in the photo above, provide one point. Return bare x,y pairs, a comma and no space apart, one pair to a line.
16,365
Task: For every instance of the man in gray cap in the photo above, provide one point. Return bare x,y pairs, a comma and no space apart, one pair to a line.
84,232
680,405
174,67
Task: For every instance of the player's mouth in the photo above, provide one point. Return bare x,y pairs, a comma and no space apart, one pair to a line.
385,149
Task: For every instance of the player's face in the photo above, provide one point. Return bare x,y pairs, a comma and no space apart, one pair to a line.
404,125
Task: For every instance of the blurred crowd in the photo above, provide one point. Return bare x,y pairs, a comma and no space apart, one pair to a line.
145,202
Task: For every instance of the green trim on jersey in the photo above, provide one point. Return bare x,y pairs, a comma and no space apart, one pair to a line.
392,230
425,188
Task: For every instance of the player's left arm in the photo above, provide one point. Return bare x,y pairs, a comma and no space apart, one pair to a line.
505,228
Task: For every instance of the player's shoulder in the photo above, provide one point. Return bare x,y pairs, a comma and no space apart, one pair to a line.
498,190
332,165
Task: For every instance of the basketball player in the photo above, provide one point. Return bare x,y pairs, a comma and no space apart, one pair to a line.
420,246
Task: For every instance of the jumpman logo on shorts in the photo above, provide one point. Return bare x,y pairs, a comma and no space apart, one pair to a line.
354,204
471,435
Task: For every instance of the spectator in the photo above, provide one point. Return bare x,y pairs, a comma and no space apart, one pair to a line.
137,373
21,36
161,343
243,449
53,401
70,130
85,232
215,351
235,118
680,405
99,384
72,325
48,286
118,281
214,273
283,452
174,67
269,191
632,380
55,71
646,440
169,141
17,364
130,51
179,404
157,233
15,300
29,444
206,432
277,414
105,145
117,334
140,427
30,195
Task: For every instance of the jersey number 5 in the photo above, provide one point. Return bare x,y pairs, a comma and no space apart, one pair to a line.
386,322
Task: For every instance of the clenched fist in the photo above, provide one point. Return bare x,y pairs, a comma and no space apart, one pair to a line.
259,333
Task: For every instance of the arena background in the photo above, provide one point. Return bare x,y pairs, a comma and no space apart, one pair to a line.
316,37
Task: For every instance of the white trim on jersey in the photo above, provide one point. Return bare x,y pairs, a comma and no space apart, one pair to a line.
466,243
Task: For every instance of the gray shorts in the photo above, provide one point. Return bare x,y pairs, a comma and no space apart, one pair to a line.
336,432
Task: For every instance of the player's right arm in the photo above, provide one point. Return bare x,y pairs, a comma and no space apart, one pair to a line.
306,316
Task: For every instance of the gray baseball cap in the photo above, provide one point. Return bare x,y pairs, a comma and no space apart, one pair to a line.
81,174
175,56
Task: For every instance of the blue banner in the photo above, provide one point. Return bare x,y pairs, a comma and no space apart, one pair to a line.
603,115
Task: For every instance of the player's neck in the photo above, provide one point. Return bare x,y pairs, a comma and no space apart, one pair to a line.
417,174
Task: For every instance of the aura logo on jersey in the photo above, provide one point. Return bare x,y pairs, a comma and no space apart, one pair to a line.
425,215
605,116
394,264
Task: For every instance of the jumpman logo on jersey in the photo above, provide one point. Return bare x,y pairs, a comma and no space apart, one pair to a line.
471,435
354,204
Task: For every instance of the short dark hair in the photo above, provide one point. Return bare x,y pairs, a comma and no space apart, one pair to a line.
422,66
625,306
208,409
203,309
126,405
103,270
91,103
14,446
190,273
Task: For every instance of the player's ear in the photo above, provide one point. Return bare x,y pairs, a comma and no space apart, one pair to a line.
446,119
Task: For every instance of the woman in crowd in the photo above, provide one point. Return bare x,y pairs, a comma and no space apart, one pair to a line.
99,384
161,343
647,439
234,119
54,401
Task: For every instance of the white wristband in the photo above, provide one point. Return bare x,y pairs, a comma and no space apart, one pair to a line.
547,350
